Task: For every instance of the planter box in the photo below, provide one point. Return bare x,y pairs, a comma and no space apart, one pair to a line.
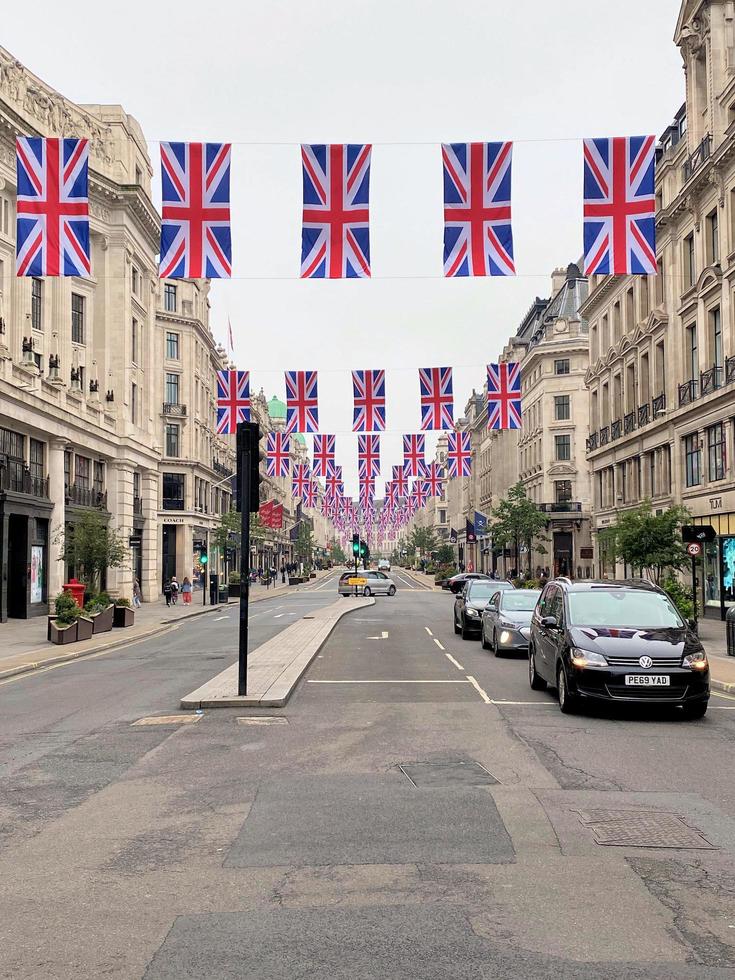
124,616
85,628
103,621
61,634
234,590
294,580
312,575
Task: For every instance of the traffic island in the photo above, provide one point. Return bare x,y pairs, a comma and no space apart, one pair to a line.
276,667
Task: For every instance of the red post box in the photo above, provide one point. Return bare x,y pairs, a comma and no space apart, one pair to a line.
76,589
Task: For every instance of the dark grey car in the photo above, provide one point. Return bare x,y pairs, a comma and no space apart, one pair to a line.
471,601
506,621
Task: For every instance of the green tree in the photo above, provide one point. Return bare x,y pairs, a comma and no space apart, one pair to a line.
304,545
649,543
227,533
423,540
338,555
517,521
445,555
91,547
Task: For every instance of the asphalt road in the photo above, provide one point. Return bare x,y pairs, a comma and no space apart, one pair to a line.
415,812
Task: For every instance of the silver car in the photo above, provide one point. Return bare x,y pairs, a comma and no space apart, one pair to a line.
377,583
506,621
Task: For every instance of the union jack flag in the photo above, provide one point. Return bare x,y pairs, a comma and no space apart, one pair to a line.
277,451
369,392
391,494
195,211
620,206
459,454
437,401
233,400
302,406
420,493
311,494
301,478
478,236
367,492
400,481
435,480
368,456
414,450
52,207
335,237
333,483
323,454
504,396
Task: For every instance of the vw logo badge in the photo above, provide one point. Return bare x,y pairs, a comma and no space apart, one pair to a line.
646,662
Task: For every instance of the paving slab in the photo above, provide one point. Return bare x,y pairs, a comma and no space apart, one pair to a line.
275,668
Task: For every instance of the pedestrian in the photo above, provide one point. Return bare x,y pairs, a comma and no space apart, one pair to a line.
186,591
174,589
136,594
283,574
167,591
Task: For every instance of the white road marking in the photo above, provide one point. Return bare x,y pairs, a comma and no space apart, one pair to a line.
438,643
218,618
483,694
539,704
725,697
428,630
383,636
279,616
387,682
456,664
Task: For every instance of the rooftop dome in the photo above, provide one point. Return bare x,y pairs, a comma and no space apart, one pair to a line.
297,437
276,408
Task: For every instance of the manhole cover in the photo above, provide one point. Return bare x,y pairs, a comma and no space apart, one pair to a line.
447,774
641,828
263,720
187,719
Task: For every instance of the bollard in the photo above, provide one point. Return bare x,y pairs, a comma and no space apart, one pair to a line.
730,631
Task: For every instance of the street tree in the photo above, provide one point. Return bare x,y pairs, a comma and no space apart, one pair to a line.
90,546
304,545
517,521
649,543
445,555
423,540
338,555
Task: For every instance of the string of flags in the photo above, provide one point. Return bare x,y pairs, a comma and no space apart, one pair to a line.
53,236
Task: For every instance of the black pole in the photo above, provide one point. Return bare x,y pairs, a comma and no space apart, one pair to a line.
242,673
694,587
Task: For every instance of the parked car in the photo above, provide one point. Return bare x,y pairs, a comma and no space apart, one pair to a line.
616,641
471,601
456,583
506,620
378,583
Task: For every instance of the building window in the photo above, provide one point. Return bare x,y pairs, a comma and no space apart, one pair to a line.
563,447
563,491
134,341
692,352
81,472
169,298
173,491
133,403
135,281
35,461
172,346
99,476
37,304
77,318
561,366
713,238
690,269
716,452
136,485
561,407
172,439
172,389
693,461
715,323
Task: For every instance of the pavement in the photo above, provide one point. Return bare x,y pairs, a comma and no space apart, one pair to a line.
25,646
415,812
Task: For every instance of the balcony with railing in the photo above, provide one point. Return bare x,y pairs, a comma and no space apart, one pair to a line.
604,435
18,479
711,379
629,422
562,507
221,468
699,157
78,496
592,442
688,392
616,429
658,405
173,408
643,415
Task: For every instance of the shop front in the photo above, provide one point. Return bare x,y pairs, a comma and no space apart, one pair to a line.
24,554
716,572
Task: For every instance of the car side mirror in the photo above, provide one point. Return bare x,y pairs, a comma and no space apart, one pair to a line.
549,622
692,624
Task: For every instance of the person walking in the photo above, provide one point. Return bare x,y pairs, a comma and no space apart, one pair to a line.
283,574
167,591
174,589
136,594
186,591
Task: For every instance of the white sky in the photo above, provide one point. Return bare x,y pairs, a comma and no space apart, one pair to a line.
408,73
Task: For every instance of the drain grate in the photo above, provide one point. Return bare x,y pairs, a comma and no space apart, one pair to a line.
447,774
262,720
641,828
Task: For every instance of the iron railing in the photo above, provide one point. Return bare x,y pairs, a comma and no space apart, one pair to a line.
658,405
629,422
19,480
729,370
695,160
221,468
86,497
604,435
562,507
616,429
173,408
688,392
643,415
710,380
592,443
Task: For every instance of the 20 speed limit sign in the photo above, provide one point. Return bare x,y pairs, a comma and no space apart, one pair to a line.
694,549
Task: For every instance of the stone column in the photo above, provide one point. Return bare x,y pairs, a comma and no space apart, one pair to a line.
55,570
120,506
152,544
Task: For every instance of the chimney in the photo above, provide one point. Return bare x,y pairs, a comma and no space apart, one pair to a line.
558,278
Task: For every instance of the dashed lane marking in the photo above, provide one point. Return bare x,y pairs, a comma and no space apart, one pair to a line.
483,694
428,630
279,615
438,643
456,663
218,618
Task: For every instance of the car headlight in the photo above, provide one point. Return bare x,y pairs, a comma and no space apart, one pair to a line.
504,636
472,612
696,661
585,658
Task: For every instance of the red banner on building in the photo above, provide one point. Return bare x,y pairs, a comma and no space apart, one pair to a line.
277,516
266,513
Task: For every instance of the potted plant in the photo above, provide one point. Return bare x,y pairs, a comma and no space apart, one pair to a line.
62,628
101,611
124,614
234,584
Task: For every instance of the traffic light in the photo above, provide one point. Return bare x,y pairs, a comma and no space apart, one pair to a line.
363,548
356,545
203,558
248,440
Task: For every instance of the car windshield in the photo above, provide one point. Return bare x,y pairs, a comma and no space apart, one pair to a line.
621,608
519,601
480,590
